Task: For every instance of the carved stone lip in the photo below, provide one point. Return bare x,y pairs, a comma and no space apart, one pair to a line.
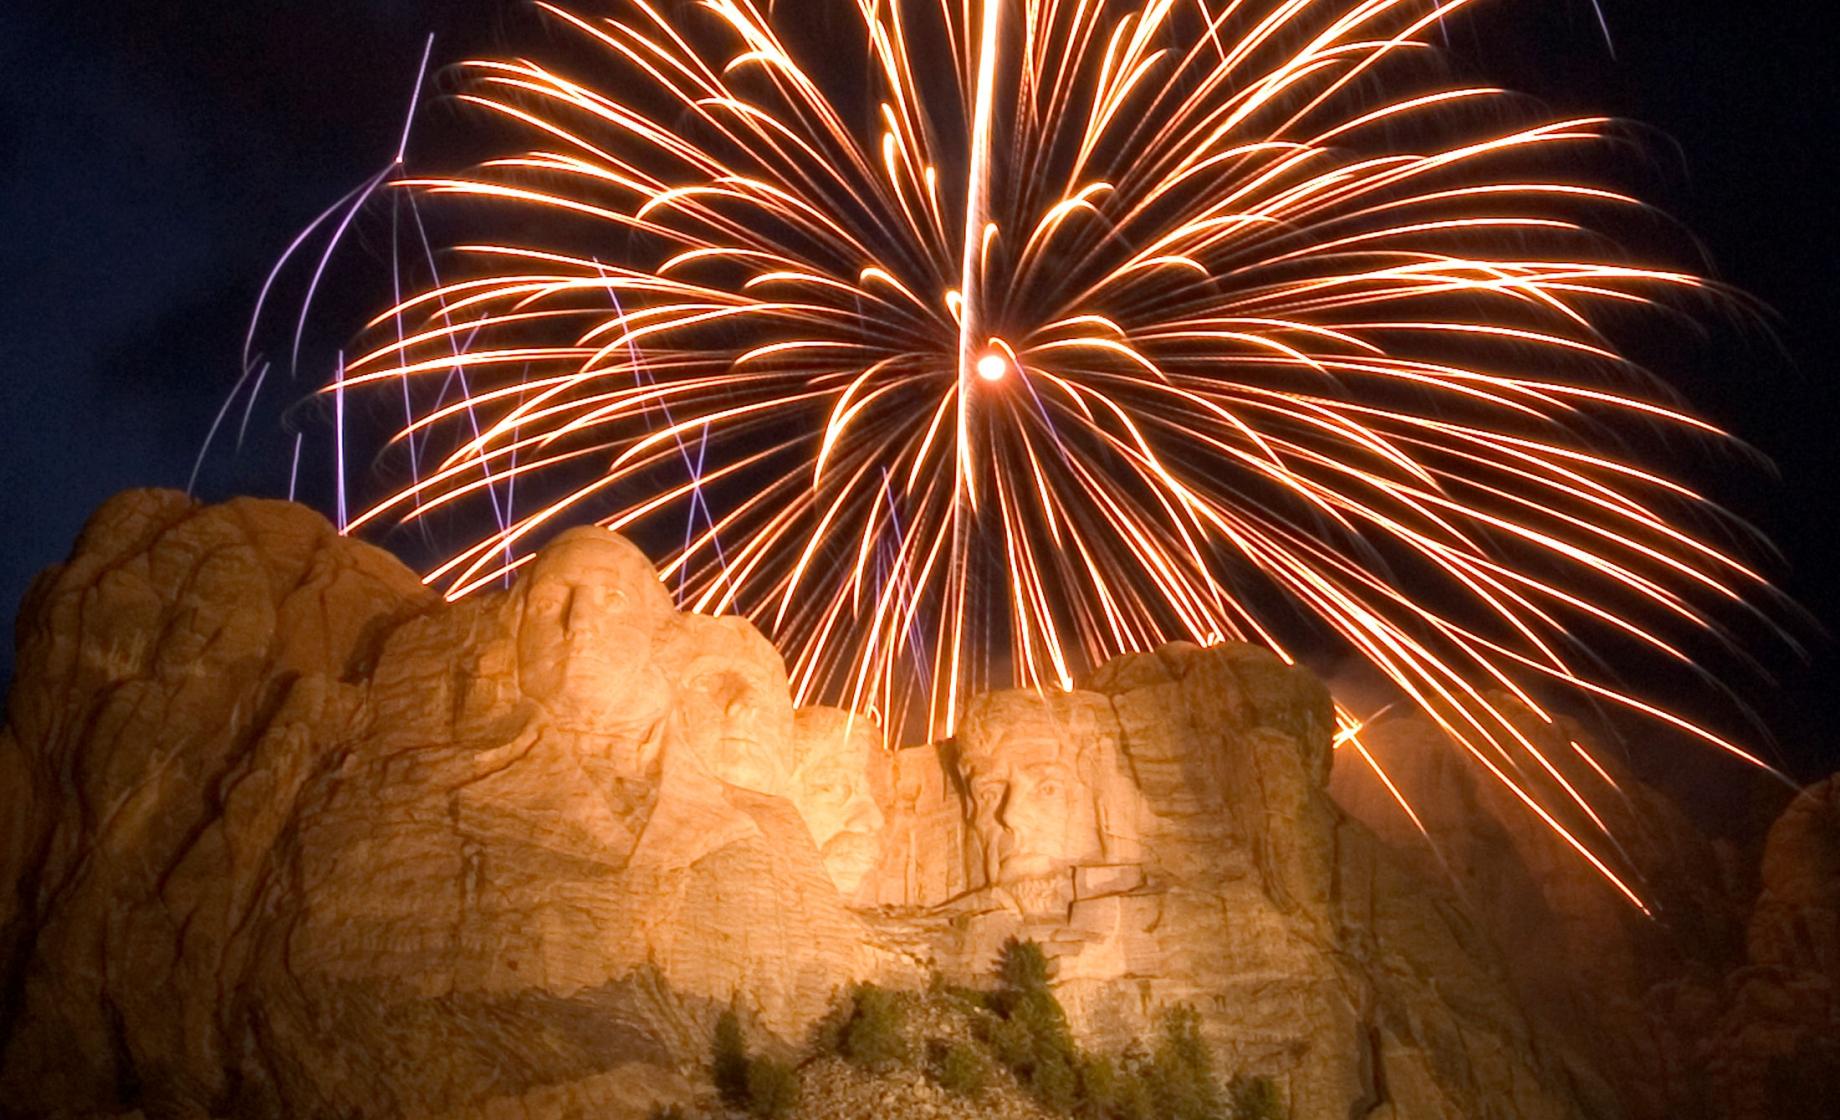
593,658
741,745
851,844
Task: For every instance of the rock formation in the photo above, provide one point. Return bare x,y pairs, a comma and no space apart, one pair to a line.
282,833
835,754
292,836
1165,833
1769,1038
1717,1006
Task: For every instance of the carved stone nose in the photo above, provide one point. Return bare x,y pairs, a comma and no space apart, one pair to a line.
575,616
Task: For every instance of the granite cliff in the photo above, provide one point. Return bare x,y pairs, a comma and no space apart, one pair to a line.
283,834
1719,1003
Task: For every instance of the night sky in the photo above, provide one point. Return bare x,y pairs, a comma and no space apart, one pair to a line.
156,157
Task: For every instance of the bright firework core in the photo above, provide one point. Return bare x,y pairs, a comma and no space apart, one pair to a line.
993,366
1308,332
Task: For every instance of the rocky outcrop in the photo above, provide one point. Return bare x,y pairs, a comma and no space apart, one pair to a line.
178,680
1796,923
1581,956
1165,833
282,833
1718,1004
292,836
1769,1038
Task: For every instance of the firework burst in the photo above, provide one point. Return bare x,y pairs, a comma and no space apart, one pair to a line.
1091,326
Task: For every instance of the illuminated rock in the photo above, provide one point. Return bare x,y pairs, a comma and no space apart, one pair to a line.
733,704
293,836
591,609
1796,923
1775,1051
1598,972
1164,833
179,680
283,833
836,754
1046,792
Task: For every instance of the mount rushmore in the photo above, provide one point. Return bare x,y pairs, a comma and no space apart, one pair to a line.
283,833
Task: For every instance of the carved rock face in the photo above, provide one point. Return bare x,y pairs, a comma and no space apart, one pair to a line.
1040,772
281,833
734,706
831,789
592,605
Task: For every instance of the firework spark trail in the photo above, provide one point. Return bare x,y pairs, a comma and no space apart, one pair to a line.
1252,308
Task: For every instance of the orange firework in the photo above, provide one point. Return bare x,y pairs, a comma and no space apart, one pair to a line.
1074,327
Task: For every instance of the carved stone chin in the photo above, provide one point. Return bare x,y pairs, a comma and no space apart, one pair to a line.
1048,896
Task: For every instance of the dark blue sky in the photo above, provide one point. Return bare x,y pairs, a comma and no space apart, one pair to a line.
156,156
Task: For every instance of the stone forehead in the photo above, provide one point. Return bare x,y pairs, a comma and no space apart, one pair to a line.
589,554
997,723
832,734
1059,713
702,643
